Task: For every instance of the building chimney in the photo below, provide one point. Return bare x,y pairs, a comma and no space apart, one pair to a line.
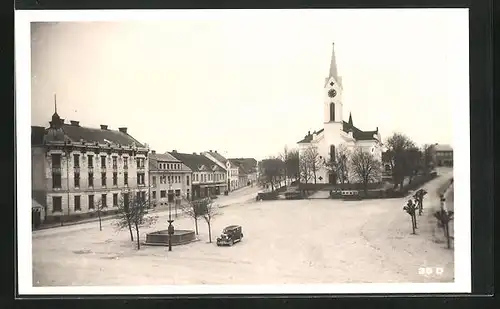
153,151
75,123
215,151
194,153
123,130
104,126
308,133
174,151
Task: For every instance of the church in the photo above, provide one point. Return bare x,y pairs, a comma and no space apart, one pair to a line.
335,130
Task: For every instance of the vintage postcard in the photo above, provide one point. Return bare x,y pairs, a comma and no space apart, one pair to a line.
243,151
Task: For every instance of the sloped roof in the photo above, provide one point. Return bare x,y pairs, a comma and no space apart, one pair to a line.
164,157
194,161
357,133
154,158
309,137
245,165
76,133
443,147
218,156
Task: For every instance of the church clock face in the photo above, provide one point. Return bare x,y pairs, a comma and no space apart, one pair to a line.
332,93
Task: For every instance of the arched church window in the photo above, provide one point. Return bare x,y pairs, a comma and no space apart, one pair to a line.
332,152
332,111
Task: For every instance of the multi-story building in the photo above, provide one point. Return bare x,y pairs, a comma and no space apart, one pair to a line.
233,175
247,170
221,161
170,179
443,154
77,170
208,178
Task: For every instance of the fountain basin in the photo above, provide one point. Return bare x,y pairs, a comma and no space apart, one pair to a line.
160,238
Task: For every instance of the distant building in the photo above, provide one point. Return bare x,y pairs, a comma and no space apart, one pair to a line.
170,179
221,161
247,170
444,154
335,130
75,169
208,178
233,171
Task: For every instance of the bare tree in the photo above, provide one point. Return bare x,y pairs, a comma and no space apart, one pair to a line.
305,169
124,219
365,167
339,163
192,209
284,157
312,161
209,211
133,216
292,164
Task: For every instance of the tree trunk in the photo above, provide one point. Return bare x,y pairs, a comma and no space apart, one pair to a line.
100,224
447,234
138,238
413,225
196,225
415,220
209,232
130,230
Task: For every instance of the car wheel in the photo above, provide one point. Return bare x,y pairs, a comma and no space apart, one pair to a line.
232,242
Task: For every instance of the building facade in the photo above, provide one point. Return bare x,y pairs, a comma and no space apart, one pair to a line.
235,179
208,178
170,179
336,131
77,170
443,154
247,170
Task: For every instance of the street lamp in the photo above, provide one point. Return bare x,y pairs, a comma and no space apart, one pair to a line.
170,226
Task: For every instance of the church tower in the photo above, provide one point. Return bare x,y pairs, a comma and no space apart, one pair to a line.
332,104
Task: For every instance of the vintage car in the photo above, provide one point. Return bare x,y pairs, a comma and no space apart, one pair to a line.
230,235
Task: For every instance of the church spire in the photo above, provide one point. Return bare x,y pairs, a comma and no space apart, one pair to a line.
350,118
56,120
333,65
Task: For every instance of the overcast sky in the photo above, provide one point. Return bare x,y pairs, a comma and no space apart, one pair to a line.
247,83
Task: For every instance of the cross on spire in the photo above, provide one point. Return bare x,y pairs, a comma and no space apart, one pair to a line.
55,103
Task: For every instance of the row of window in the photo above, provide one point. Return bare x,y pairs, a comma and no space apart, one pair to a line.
170,179
169,166
208,177
56,161
56,179
163,193
101,203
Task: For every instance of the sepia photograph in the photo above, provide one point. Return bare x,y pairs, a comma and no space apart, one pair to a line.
243,151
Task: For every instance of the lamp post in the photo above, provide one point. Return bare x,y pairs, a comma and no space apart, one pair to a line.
170,226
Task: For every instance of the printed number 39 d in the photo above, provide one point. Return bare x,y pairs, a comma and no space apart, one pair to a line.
430,271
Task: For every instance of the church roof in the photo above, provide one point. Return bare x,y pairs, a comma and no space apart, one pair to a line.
309,137
358,134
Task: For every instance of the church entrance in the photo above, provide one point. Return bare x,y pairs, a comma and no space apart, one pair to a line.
332,179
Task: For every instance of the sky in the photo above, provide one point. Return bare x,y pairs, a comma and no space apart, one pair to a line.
247,83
